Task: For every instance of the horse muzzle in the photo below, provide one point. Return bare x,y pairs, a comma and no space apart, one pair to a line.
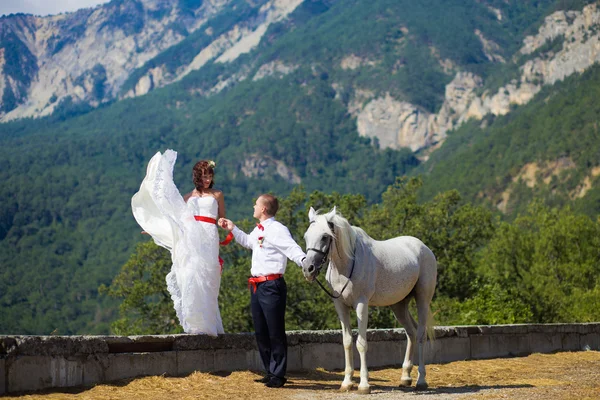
310,273
310,270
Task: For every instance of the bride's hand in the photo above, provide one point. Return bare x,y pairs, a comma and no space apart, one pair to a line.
225,224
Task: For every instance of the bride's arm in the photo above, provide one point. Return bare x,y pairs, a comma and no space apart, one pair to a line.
221,202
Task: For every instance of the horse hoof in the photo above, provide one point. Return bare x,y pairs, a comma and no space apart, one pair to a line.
422,386
364,390
346,388
405,382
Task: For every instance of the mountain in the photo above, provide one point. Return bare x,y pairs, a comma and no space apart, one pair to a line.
547,150
506,156
89,55
333,95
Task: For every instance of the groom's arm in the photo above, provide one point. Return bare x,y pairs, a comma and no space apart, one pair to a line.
240,236
243,238
286,244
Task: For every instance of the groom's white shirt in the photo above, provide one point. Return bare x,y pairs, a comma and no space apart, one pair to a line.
277,246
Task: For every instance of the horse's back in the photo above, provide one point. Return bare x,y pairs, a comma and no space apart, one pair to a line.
406,246
427,262
421,253
402,262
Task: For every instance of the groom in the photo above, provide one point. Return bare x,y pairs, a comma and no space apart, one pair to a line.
271,244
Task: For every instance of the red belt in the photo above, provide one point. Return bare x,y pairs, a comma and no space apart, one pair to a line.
253,280
229,237
225,242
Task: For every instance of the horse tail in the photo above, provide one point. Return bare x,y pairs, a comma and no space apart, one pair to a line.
428,273
430,325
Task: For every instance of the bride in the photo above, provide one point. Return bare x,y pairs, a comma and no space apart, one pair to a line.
186,226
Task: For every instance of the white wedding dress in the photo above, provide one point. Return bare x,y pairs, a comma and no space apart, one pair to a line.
195,276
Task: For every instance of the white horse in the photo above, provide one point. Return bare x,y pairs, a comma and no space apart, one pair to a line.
362,272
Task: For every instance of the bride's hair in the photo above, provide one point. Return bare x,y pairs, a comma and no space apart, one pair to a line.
203,167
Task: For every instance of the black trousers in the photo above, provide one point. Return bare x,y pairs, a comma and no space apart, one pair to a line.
268,315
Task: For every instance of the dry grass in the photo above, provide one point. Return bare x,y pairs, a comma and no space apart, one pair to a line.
539,376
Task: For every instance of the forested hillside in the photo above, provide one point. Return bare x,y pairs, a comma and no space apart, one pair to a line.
548,150
279,116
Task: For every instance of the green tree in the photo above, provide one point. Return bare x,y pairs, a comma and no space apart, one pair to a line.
548,259
489,304
146,306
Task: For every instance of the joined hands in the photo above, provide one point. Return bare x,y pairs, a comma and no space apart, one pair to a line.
226,224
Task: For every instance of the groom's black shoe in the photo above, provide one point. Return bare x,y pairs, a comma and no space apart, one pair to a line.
276,382
264,379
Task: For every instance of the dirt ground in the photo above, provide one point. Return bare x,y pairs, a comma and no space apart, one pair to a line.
538,376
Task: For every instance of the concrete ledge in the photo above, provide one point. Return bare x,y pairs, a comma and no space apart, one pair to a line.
29,363
2,376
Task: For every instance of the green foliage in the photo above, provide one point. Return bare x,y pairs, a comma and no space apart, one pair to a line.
490,304
127,16
549,259
147,307
191,4
9,100
19,62
20,65
97,75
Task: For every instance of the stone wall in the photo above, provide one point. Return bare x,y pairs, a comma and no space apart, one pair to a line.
29,363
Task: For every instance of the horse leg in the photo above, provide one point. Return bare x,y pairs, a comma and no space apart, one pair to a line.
362,314
424,317
344,315
403,316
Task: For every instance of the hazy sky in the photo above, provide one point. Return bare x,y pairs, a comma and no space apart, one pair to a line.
45,7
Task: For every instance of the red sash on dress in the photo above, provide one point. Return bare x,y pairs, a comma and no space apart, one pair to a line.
225,242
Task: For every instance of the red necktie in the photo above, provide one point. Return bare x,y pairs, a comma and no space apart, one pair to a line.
259,226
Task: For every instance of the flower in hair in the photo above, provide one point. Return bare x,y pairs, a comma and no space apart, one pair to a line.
212,164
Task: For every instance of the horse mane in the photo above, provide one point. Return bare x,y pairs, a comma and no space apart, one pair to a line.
346,236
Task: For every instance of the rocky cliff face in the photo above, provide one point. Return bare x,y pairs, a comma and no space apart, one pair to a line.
18,63
567,43
240,39
89,55
256,165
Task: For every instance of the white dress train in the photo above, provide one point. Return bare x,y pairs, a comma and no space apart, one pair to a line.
195,276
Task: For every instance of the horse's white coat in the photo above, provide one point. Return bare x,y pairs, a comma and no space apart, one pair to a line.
385,273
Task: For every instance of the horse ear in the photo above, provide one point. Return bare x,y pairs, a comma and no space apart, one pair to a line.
331,214
311,215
